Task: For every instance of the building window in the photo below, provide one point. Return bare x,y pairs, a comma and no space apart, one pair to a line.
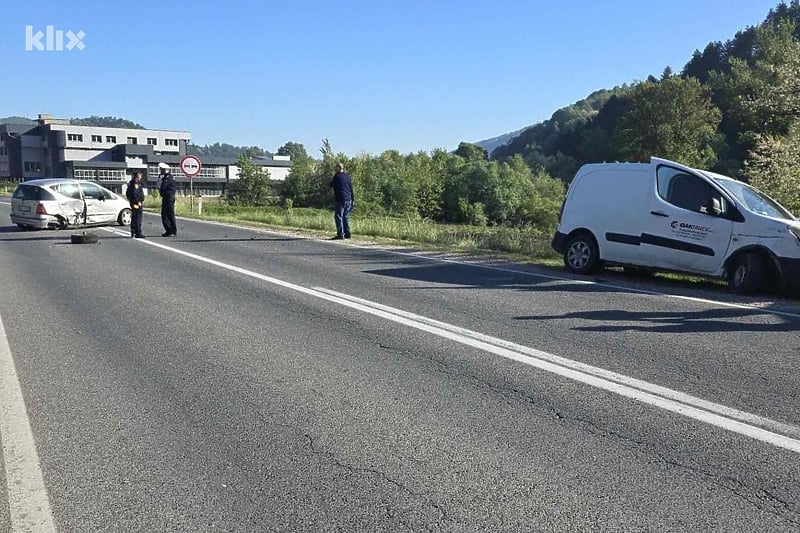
132,140
82,174
211,172
111,139
152,140
171,142
75,137
97,138
33,166
110,175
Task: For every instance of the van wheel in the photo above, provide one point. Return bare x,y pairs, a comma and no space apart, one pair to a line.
747,274
124,218
581,255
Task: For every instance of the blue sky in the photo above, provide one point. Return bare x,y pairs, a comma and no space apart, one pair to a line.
368,75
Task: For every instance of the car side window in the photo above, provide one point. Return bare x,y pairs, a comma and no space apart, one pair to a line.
90,190
688,191
70,190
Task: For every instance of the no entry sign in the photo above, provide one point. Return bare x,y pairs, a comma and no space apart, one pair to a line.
190,165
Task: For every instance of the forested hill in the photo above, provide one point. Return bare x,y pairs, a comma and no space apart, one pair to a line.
102,122
224,150
734,108
17,120
106,122
490,144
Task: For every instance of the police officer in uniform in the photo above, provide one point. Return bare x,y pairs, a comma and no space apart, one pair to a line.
135,195
167,189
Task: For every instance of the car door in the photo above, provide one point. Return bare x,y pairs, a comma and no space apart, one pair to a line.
689,224
71,202
98,210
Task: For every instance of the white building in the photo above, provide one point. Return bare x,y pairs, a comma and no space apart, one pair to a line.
110,156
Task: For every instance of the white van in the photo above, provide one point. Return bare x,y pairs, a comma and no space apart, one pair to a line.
666,216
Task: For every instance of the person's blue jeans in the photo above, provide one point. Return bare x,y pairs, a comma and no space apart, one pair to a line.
341,215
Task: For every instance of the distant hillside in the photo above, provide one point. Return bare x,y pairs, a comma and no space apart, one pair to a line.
18,120
490,144
734,106
102,122
556,143
106,122
223,150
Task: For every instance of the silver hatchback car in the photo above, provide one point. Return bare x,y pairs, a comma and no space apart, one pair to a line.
61,203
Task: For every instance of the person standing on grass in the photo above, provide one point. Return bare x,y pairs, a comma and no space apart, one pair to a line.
167,189
135,195
344,201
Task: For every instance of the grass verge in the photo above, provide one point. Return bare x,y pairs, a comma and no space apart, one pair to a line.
527,244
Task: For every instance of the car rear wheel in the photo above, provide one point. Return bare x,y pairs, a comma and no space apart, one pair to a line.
581,255
747,274
124,218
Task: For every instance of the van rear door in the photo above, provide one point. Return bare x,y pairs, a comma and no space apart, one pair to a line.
682,230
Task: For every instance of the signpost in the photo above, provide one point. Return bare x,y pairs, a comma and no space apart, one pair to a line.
190,166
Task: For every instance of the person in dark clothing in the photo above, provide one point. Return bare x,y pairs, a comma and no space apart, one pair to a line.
167,189
344,199
135,195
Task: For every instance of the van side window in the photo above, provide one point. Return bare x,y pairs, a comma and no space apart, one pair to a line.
687,191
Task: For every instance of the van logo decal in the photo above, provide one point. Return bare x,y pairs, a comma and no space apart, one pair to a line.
692,232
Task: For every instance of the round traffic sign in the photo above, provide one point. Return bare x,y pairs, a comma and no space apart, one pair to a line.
190,165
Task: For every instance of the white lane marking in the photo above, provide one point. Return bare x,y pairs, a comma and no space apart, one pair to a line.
740,422
608,375
27,494
648,292
5,203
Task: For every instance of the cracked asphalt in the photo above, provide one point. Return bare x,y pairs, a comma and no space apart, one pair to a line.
167,394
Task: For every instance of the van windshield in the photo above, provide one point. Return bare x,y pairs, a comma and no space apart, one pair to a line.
755,200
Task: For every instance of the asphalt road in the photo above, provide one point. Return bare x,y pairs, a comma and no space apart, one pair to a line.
237,380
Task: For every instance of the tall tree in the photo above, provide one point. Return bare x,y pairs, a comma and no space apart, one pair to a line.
774,167
774,159
673,118
253,186
296,151
472,152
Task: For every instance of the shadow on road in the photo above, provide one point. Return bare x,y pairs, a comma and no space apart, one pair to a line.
708,321
453,276
459,276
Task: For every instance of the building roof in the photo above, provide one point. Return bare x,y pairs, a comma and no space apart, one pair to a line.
270,162
18,129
